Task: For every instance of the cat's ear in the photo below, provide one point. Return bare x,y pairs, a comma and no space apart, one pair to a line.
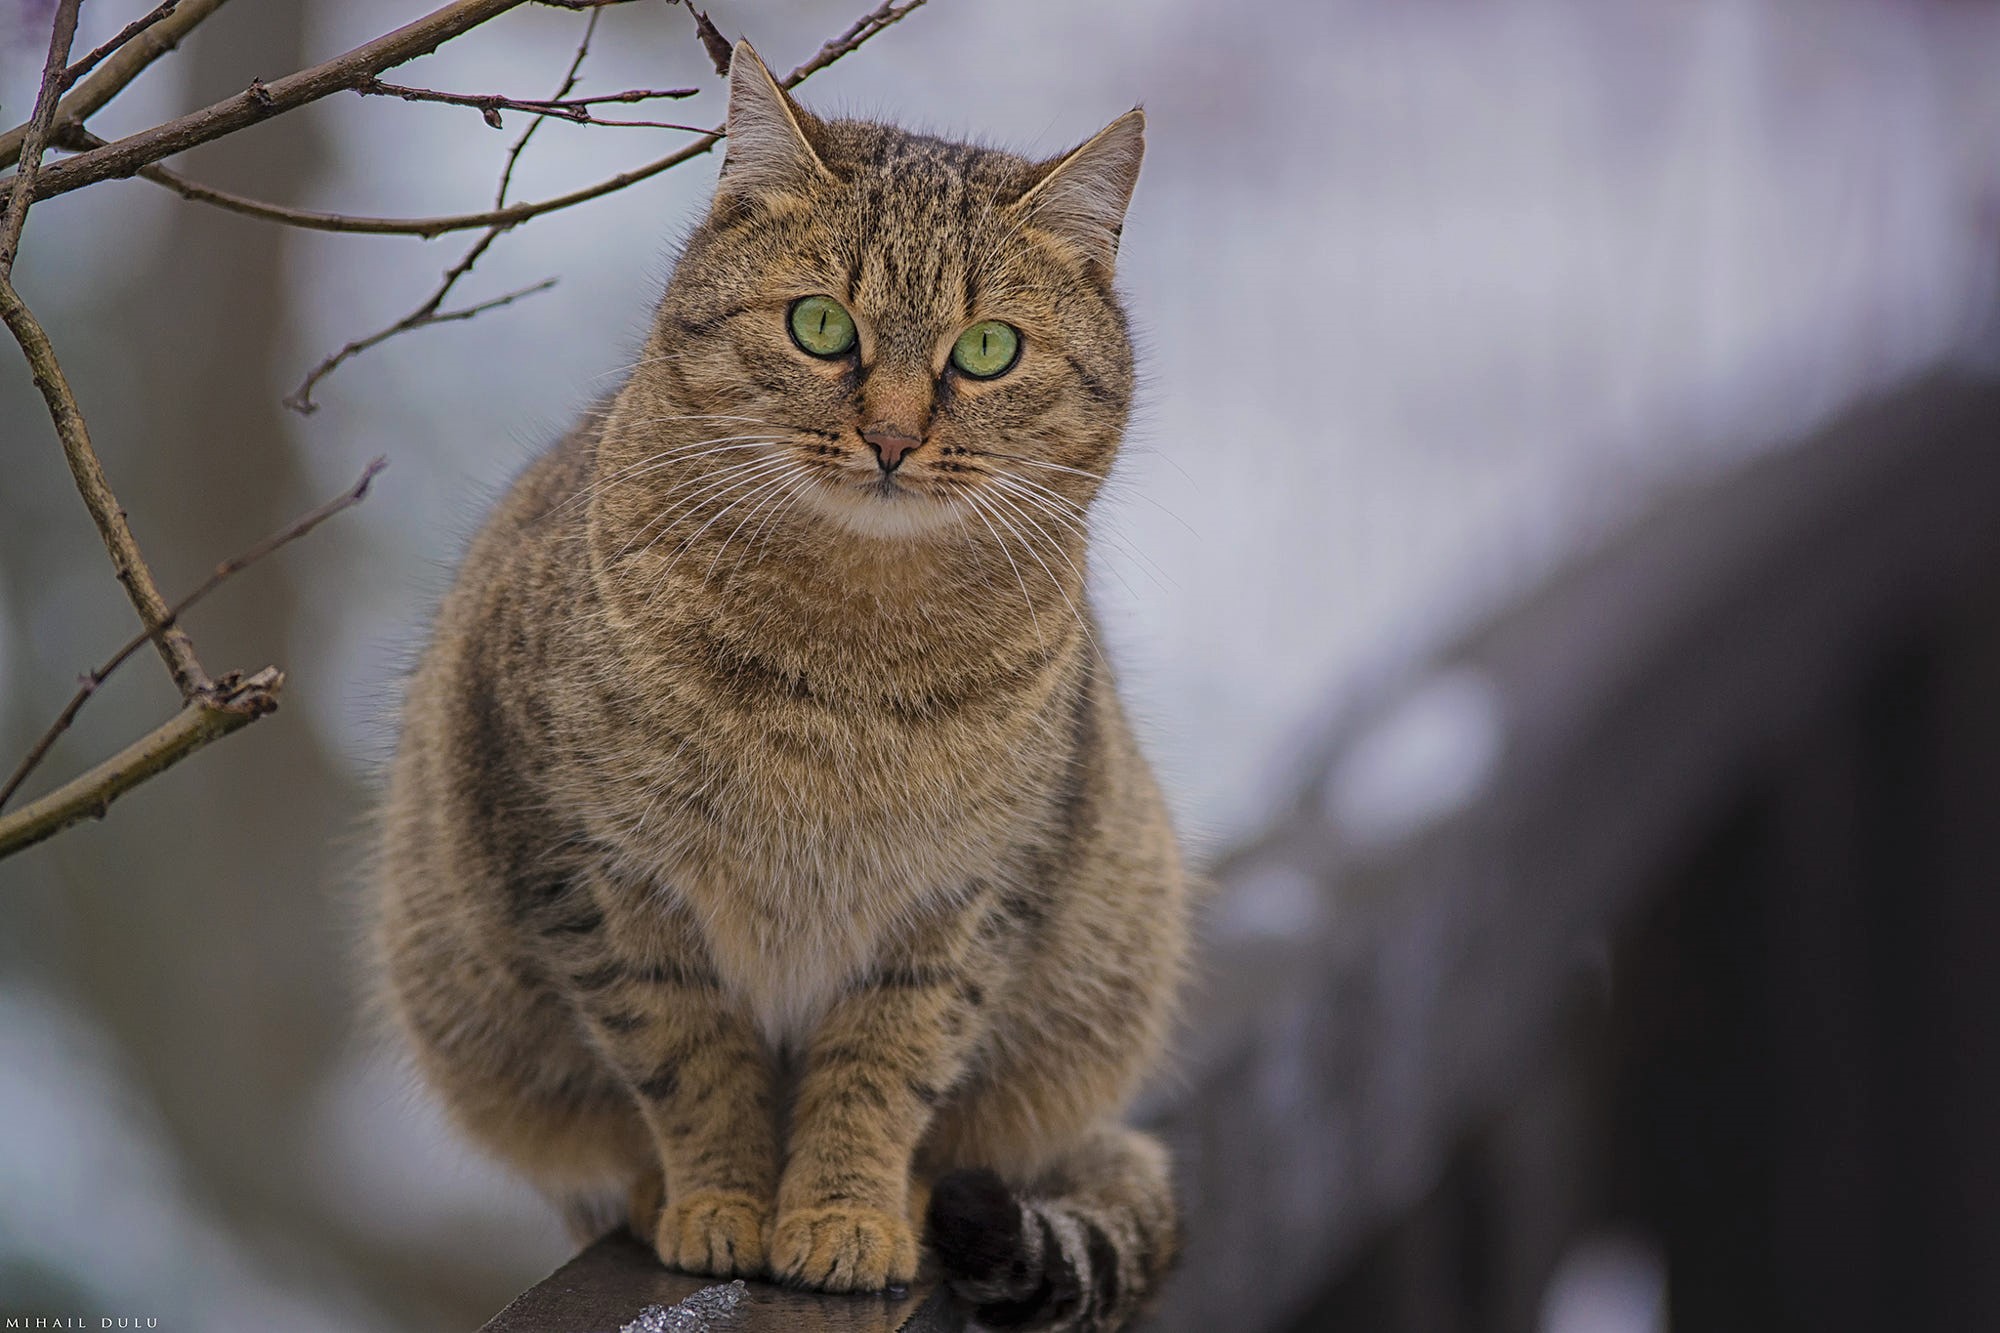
1082,195
769,148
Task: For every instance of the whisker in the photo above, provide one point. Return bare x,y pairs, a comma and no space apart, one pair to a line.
763,478
1094,476
1074,525
665,458
665,519
806,481
778,488
1062,592
973,499
1077,514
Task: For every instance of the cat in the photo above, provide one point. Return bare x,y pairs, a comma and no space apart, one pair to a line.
766,857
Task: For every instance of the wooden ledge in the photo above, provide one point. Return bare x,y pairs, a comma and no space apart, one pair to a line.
613,1282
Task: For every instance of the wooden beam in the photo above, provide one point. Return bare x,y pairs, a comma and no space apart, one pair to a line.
613,1282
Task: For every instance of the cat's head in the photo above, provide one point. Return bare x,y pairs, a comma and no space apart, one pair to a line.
913,336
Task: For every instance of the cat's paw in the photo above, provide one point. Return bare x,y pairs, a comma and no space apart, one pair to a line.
715,1232
843,1249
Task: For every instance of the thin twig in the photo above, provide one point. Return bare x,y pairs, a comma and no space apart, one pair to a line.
124,35
231,704
117,74
61,35
300,400
90,683
490,105
105,510
857,35
261,101
427,227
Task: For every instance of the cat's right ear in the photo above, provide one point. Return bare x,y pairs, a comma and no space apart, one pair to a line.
769,148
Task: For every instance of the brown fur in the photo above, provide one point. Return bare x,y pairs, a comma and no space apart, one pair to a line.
764,844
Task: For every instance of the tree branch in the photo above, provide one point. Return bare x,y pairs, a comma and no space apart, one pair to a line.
231,704
296,529
260,101
105,510
123,35
118,72
36,141
427,227
300,400
513,215
577,109
857,35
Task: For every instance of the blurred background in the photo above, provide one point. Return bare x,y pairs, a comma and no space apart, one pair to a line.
1437,300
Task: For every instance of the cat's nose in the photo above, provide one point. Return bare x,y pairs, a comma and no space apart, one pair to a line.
889,444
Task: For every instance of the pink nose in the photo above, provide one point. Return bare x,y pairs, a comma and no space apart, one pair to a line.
889,445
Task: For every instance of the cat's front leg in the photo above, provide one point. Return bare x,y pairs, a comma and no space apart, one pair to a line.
706,1086
888,1051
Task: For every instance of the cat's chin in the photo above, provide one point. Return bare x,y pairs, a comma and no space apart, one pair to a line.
896,513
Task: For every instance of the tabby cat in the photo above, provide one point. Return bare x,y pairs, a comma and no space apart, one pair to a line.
767,861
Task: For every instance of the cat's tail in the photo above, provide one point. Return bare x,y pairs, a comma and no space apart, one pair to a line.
1081,1249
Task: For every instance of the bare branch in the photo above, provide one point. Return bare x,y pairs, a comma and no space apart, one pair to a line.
427,227
513,215
105,510
89,685
230,704
301,401
118,72
261,101
124,35
857,35
577,109
36,141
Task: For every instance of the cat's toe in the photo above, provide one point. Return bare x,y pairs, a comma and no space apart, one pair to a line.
843,1249
714,1232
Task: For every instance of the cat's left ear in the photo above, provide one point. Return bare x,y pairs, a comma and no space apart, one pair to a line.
1082,195
770,144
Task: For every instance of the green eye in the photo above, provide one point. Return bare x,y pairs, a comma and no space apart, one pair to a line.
986,349
821,326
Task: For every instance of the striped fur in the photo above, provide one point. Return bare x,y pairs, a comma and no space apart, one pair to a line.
766,842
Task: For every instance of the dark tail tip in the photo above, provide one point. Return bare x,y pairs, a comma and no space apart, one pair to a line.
1011,1278
975,1226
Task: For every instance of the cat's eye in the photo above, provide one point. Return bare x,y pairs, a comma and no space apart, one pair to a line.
822,326
987,349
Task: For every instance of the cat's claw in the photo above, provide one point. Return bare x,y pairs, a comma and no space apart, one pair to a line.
713,1232
843,1249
